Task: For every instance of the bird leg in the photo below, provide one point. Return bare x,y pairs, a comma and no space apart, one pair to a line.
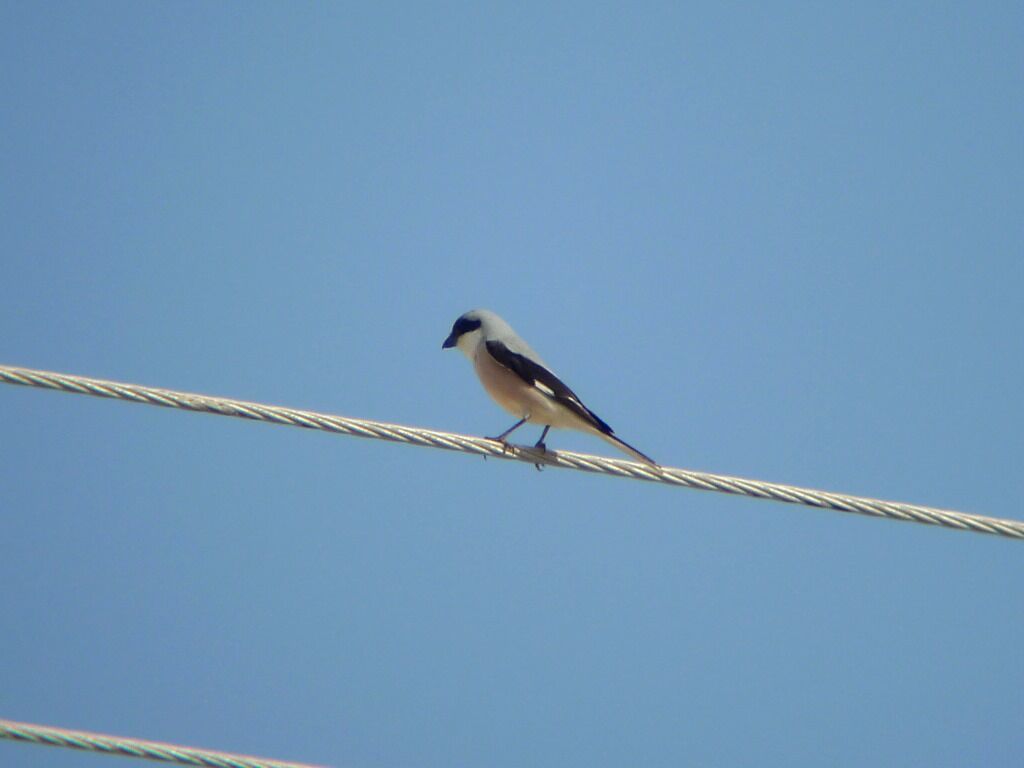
501,438
540,443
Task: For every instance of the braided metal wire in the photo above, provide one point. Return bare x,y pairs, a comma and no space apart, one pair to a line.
147,750
705,481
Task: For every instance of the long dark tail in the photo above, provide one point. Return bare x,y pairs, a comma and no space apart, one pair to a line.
626,448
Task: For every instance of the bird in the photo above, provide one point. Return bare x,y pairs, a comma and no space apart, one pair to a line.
519,381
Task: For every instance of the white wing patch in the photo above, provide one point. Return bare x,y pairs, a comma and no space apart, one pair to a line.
544,388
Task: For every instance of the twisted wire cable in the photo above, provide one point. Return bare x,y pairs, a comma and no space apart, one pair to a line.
147,750
482,446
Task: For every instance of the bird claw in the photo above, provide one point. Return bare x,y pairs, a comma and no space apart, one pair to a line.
506,446
540,446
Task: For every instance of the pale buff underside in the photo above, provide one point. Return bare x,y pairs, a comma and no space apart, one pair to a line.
520,399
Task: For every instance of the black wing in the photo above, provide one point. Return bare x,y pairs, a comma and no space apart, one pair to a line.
537,375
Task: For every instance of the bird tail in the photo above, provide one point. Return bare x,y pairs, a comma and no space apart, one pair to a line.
626,448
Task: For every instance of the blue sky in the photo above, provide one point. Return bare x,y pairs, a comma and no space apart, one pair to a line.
777,242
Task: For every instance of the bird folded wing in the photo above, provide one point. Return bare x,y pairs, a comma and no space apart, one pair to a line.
541,378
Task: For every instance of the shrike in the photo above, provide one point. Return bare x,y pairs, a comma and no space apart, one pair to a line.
521,383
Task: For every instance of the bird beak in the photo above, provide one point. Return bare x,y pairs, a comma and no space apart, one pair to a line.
449,342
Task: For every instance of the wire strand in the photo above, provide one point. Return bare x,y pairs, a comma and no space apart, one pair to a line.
127,747
481,446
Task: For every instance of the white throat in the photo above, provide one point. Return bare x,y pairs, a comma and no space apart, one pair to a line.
468,342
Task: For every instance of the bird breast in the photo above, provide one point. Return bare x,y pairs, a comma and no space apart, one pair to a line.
516,396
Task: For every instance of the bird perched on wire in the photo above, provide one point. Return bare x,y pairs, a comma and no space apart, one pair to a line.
520,382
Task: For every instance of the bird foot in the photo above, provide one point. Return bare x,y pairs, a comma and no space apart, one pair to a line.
542,447
506,446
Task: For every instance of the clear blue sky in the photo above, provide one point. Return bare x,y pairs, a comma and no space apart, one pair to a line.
781,243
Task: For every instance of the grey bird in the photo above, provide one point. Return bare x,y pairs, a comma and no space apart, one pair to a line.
520,382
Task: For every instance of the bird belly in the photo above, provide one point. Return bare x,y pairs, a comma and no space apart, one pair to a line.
522,399
504,387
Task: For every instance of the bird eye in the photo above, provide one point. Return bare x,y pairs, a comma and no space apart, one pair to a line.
465,325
